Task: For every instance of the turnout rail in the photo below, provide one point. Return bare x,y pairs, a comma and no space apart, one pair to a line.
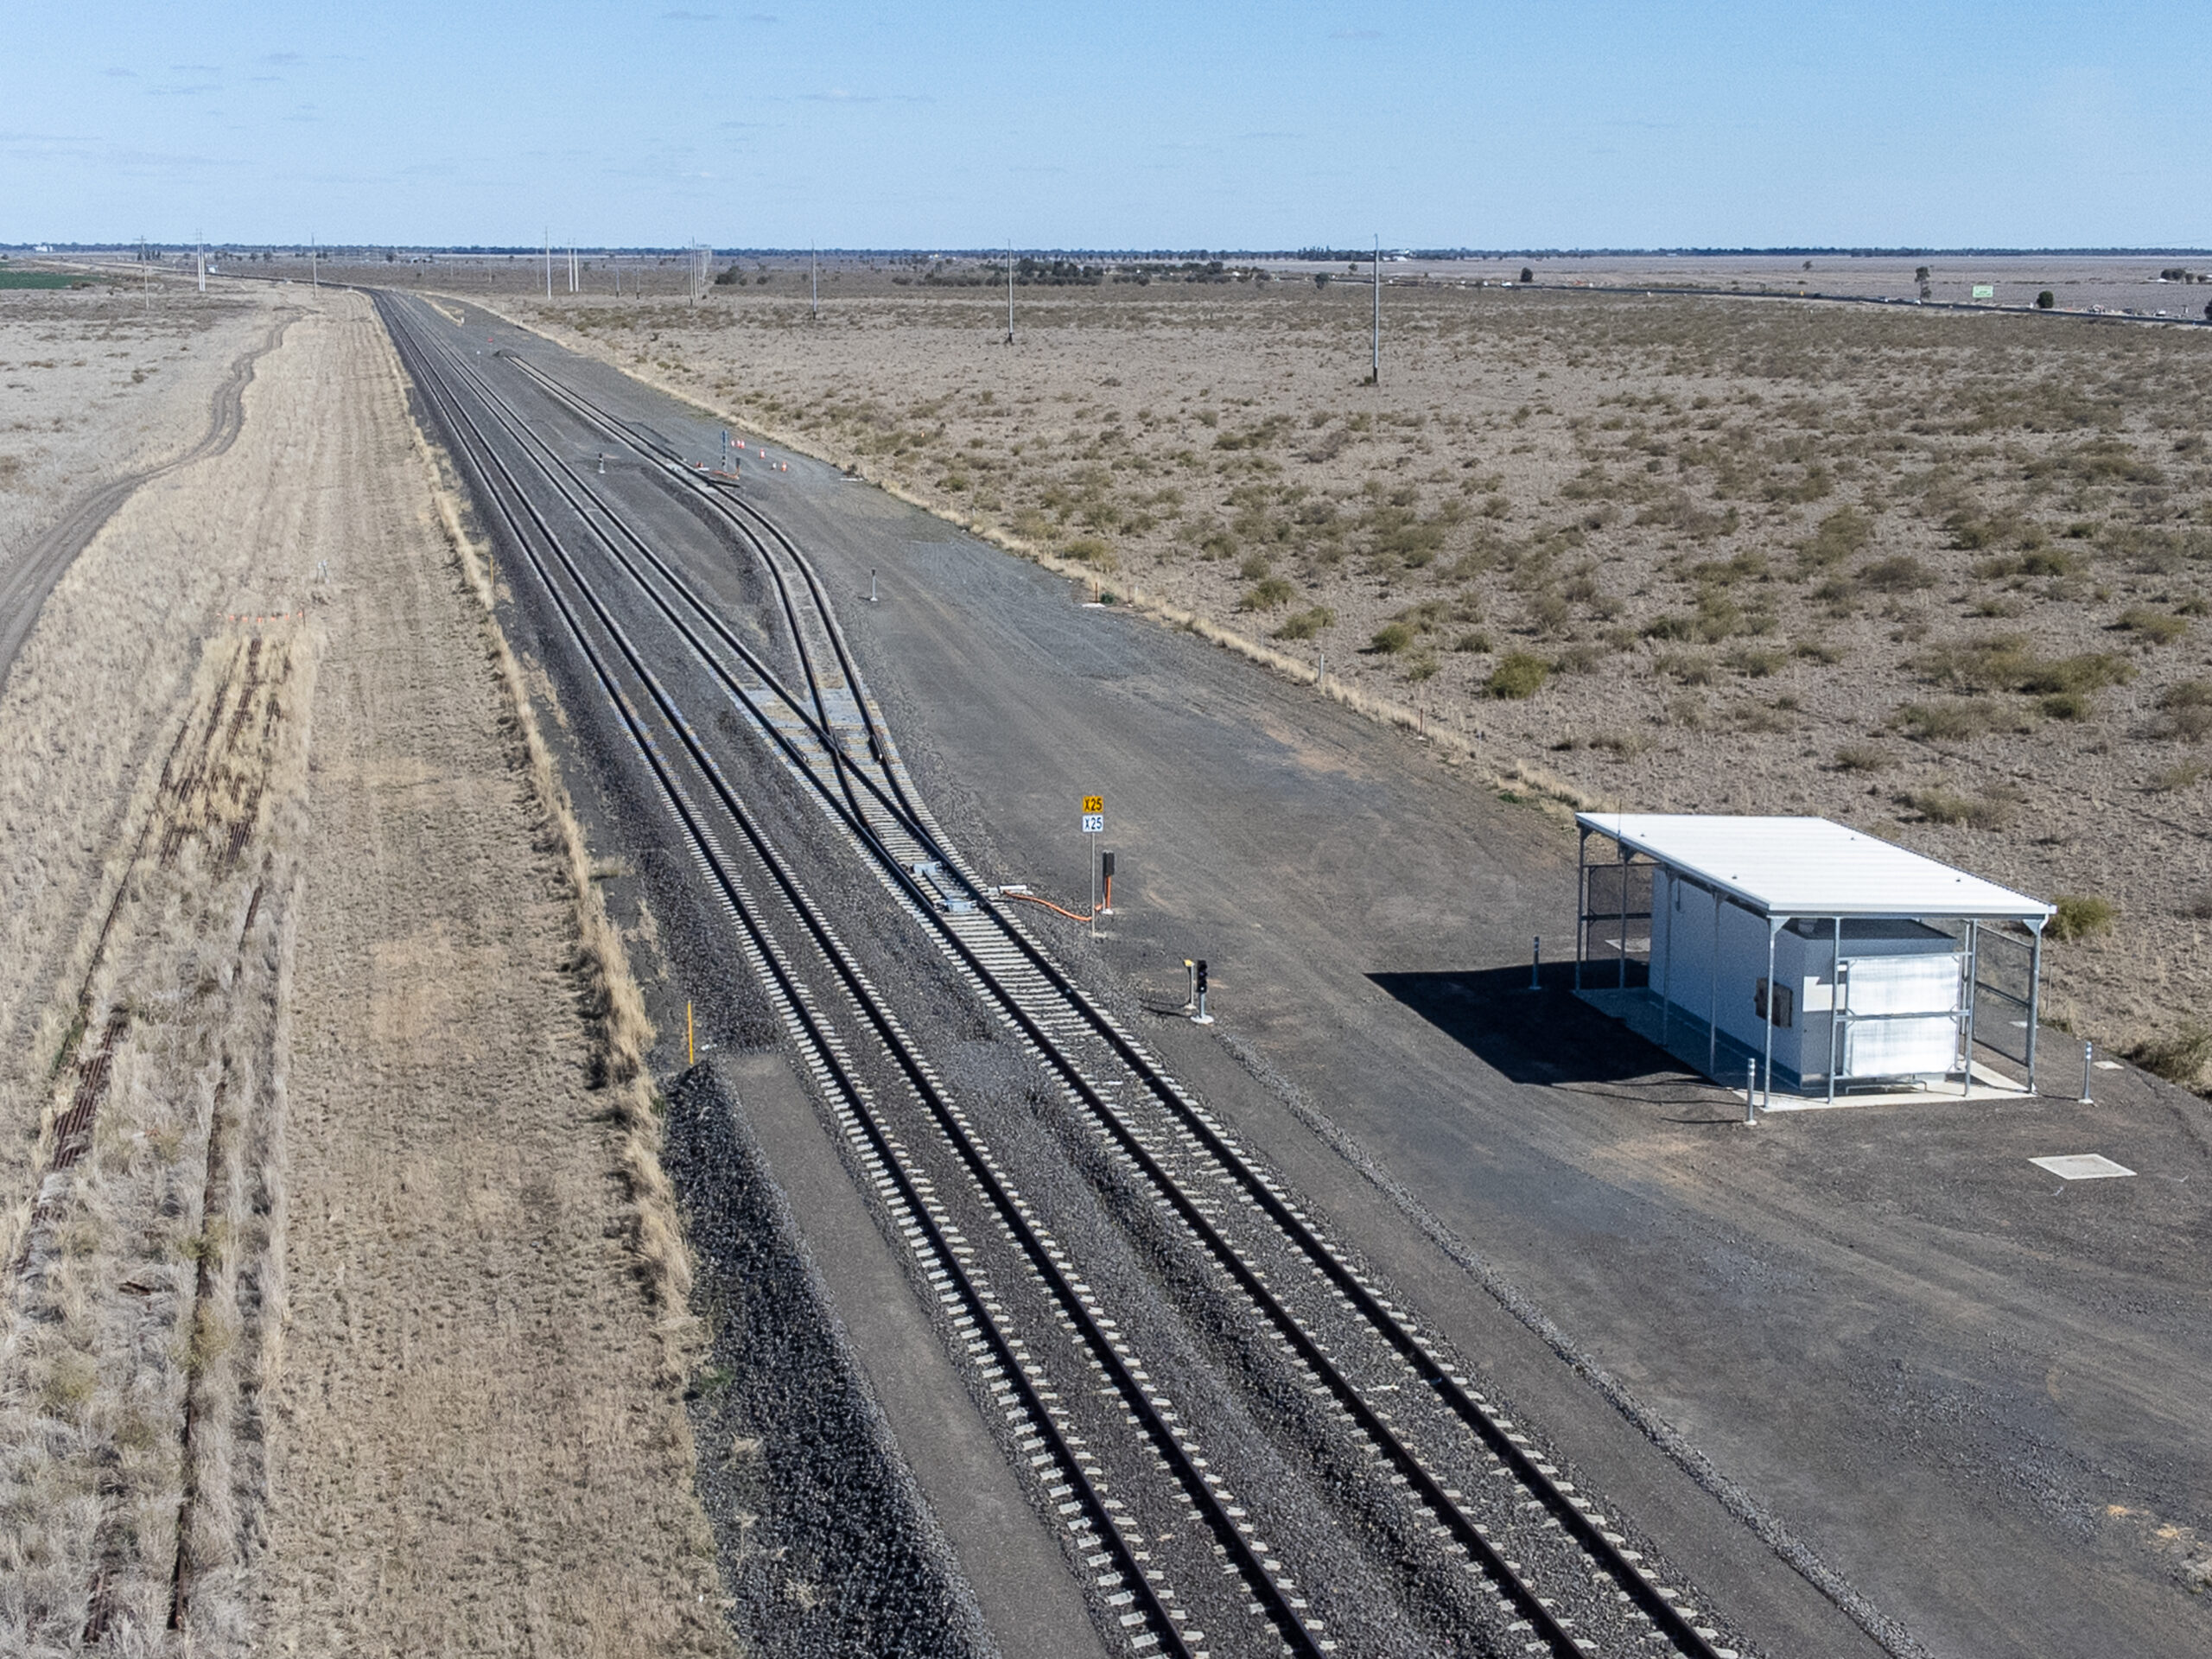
1299,1287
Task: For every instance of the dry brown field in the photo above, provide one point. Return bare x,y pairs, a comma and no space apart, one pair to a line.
338,1313
1942,576
99,381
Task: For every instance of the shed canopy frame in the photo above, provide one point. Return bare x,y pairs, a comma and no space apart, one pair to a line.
1809,872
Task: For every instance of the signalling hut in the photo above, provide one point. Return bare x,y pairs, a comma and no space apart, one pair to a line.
1826,961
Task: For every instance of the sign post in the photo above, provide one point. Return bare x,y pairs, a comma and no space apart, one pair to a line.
1094,825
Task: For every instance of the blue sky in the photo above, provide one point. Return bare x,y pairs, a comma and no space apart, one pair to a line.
952,123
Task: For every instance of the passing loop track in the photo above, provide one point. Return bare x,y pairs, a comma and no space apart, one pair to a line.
1154,1627
816,731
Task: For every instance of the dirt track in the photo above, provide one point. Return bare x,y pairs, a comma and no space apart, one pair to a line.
414,1391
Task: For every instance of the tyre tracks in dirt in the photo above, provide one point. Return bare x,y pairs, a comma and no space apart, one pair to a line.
26,581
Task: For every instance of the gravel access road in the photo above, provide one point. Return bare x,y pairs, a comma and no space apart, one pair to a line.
1966,1400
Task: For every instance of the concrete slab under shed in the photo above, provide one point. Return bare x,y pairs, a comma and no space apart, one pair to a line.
1685,1038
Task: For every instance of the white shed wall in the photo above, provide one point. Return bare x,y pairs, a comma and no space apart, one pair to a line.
1684,970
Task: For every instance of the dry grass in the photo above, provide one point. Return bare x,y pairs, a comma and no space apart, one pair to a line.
144,1313
96,383
621,1033
450,1376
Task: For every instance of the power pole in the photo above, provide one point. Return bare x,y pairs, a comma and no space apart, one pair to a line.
1378,313
1009,293
814,269
549,262
200,258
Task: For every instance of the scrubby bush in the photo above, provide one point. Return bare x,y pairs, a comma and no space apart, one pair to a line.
1756,662
1949,720
2003,663
2046,299
1864,757
1843,534
2079,916
2159,627
2187,705
1268,594
1900,573
1518,674
1391,638
1304,625
1689,667
1621,743
2178,1056
1939,806
1474,641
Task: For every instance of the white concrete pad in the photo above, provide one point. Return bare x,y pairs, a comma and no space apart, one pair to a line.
2083,1166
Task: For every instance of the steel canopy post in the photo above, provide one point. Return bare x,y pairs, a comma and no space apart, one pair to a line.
1973,974
1835,1007
1712,992
1623,847
2035,999
1581,899
1773,930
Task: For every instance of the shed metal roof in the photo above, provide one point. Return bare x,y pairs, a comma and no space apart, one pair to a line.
1811,867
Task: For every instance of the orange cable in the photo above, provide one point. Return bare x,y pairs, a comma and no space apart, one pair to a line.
1032,899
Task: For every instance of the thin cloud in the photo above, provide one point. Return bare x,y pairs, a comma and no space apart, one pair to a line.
690,16
281,58
839,95
50,146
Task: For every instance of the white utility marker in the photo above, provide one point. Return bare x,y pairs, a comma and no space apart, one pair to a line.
2083,1166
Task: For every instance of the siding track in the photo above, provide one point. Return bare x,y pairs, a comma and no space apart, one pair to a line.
1492,1546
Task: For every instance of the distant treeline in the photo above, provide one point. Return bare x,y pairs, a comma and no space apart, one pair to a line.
1101,257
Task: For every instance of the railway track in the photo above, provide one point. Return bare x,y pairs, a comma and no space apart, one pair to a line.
1459,1488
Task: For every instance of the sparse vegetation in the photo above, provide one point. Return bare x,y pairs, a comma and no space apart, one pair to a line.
1948,546
2178,1056
1304,625
1938,805
2158,627
2081,915
1518,675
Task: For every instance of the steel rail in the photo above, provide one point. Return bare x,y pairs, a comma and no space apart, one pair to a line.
1008,1211
1573,1517
818,1037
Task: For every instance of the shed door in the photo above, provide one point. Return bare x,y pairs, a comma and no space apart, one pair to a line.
1913,1005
